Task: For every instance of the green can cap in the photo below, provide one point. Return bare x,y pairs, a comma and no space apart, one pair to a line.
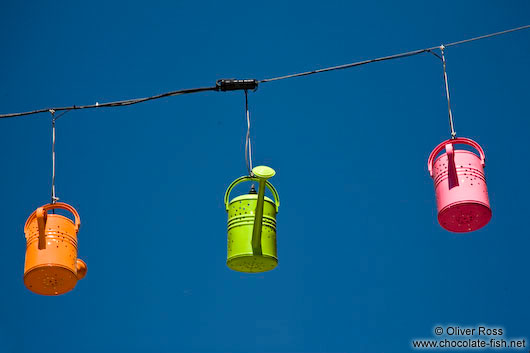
263,172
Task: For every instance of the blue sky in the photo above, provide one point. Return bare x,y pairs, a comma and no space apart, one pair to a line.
363,264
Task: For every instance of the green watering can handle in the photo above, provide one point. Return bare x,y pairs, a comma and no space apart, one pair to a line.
262,173
248,178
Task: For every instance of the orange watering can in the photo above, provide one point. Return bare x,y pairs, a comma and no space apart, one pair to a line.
52,266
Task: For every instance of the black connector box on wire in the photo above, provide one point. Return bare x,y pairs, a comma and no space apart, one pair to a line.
232,84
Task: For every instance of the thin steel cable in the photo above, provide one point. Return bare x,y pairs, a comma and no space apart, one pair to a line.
248,145
390,57
347,66
433,53
487,36
332,68
54,197
451,122
115,103
63,113
54,119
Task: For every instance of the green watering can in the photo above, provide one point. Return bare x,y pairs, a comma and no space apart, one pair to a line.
252,225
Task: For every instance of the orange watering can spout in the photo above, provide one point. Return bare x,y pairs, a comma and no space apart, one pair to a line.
42,217
81,269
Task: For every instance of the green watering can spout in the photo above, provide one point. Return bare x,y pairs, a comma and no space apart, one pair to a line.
262,173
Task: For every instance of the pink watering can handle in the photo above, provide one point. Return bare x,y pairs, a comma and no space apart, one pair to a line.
460,140
451,168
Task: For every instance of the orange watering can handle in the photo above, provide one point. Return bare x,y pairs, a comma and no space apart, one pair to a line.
42,217
460,140
42,210
248,178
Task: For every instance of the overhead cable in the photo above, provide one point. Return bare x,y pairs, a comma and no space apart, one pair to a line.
390,57
235,84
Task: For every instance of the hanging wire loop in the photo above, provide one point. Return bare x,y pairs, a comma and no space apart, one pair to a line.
248,145
54,119
451,123
54,197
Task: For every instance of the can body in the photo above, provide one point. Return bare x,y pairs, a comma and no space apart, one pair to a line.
461,193
51,265
241,215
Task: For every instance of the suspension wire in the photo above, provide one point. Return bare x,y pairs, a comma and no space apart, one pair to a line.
433,53
63,113
54,119
217,88
451,123
347,66
54,197
487,36
248,145
115,103
390,57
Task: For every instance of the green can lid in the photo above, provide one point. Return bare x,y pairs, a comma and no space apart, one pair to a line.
263,172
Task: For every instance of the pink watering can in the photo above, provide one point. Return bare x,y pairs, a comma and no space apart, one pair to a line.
460,186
